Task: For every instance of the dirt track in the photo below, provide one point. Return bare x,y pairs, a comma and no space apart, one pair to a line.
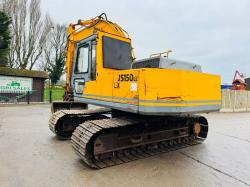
30,155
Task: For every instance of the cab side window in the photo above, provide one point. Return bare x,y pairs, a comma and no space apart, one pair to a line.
93,60
82,62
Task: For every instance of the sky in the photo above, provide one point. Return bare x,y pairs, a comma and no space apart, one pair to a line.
212,33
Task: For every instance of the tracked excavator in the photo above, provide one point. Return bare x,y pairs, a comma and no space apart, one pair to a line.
147,106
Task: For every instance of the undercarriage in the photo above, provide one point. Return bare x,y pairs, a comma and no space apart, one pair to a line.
104,137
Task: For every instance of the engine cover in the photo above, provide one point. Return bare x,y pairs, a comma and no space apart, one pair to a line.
165,63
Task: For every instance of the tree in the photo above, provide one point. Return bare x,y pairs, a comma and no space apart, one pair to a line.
30,32
4,38
54,53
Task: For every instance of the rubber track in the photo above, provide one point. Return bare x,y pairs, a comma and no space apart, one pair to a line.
84,132
55,117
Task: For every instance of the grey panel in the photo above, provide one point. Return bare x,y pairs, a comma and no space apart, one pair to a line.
179,102
153,101
116,54
168,63
108,104
111,97
165,63
147,63
151,110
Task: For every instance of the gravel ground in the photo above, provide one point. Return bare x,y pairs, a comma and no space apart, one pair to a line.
30,155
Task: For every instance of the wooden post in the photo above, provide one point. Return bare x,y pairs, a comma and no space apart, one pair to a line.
235,91
229,99
247,101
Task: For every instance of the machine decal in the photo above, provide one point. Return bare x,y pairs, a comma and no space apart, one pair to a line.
116,85
127,77
133,87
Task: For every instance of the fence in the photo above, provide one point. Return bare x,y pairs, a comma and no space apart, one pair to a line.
19,97
235,100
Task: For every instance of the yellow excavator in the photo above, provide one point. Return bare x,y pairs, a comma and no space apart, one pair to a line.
147,106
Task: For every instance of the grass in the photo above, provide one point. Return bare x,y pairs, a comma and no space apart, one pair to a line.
57,94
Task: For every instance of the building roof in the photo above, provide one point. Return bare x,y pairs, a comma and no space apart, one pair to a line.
23,73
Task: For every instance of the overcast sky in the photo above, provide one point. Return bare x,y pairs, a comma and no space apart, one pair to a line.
212,33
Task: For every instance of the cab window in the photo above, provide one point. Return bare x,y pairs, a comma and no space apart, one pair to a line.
82,62
116,54
93,61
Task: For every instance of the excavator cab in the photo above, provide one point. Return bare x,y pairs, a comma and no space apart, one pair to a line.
94,53
116,55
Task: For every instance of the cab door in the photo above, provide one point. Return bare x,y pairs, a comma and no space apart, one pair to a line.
84,66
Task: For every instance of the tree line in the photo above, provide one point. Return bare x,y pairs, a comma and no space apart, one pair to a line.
31,40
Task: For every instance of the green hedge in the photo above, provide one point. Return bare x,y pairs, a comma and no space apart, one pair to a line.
57,94
23,73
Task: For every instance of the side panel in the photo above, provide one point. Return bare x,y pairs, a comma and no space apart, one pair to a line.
168,91
99,92
117,89
156,91
125,89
